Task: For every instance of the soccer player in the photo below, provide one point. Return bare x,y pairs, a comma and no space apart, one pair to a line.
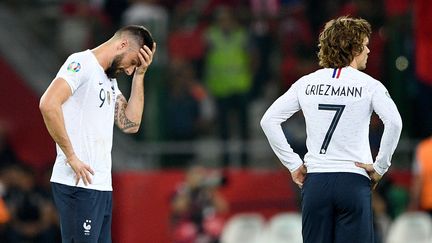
338,172
80,108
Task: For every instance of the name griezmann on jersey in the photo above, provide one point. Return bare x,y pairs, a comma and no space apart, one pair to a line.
330,90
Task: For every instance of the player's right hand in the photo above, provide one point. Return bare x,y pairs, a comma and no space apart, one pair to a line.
374,176
146,57
82,170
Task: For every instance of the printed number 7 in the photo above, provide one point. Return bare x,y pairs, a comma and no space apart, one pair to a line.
339,109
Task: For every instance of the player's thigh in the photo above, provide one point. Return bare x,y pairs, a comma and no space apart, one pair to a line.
354,218
317,209
105,231
92,208
81,213
66,207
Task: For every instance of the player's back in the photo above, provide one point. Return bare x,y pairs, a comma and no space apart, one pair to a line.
337,105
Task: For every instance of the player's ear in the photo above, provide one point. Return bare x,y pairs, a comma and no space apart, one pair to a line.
123,44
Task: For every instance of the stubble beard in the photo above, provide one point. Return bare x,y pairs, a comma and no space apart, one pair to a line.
113,71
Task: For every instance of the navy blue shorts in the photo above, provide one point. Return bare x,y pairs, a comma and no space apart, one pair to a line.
337,208
85,215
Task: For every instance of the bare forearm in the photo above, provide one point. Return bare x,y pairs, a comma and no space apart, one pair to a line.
135,106
54,121
128,114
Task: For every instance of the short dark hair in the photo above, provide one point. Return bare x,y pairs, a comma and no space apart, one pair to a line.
141,34
341,40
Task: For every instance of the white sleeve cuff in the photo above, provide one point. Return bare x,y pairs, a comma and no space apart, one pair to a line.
294,166
380,170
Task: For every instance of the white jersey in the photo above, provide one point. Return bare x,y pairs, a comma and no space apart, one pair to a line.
337,105
89,120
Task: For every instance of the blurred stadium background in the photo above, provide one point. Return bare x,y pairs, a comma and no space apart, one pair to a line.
193,128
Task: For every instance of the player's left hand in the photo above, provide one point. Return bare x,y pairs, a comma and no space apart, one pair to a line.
299,175
146,57
375,177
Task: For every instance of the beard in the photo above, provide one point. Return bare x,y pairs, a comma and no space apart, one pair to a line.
114,70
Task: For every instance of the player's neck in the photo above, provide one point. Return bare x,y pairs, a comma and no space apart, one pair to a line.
354,65
104,54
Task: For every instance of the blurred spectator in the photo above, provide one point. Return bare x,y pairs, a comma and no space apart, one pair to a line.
186,40
210,6
83,23
262,25
186,109
421,189
197,208
268,8
297,46
228,76
30,211
423,52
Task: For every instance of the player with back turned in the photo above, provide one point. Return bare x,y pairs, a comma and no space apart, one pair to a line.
338,171
80,108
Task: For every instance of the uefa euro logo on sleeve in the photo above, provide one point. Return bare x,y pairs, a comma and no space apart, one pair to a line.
74,67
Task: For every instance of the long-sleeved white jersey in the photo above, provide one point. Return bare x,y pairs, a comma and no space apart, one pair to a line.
337,105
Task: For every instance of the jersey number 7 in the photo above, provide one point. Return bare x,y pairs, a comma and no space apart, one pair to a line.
338,109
